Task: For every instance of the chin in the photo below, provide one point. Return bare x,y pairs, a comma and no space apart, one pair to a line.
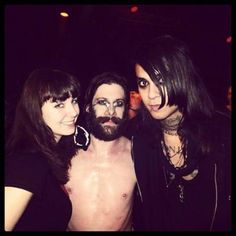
69,132
158,115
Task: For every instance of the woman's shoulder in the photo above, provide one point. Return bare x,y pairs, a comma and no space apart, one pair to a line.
221,125
26,170
28,158
221,137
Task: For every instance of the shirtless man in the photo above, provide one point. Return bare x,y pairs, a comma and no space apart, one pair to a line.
102,179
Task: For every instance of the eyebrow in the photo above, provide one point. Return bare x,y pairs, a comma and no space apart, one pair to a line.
107,99
53,100
100,98
141,78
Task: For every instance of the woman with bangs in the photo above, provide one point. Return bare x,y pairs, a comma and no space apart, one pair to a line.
182,148
36,157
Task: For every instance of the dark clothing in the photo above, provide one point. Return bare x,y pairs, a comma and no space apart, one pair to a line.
50,208
132,126
164,201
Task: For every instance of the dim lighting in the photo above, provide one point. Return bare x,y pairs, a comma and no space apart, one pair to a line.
64,14
134,9
229,39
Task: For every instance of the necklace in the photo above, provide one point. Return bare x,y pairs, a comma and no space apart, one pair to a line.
171,152
169,178
171,125
170,132
181,192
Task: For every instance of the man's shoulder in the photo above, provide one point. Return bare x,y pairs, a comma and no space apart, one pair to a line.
125,143
125,140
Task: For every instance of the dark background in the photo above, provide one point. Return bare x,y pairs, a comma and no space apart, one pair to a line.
96,38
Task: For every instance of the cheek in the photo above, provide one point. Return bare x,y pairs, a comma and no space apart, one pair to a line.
120,112
49,120
97,111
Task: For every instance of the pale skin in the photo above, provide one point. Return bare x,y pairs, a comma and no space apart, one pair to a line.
102,179
60,117
168,116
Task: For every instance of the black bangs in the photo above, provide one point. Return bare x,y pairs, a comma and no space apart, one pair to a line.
57,89
156,74
61,94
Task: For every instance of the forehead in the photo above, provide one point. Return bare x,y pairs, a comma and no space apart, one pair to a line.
110,91
140,72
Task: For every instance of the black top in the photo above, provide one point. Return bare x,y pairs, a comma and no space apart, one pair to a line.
167,202
50,208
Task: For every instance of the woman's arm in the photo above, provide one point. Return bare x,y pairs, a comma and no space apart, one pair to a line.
16,201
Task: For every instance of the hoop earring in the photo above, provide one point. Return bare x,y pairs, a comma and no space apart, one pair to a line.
85,134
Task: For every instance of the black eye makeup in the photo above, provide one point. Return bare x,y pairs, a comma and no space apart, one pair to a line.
142,83
75,100
160,81
102,102
105,102
59,104
159,76
119,103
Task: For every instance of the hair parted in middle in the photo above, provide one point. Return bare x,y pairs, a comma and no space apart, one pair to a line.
106,78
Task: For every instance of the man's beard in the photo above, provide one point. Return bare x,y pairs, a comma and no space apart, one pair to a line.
107,132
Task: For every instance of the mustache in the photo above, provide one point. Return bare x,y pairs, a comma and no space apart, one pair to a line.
105,119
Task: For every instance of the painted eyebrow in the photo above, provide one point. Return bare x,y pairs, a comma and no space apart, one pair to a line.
54,101
107,99
141,78
101,98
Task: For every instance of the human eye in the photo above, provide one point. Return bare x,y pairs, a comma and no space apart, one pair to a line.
75,101
159,77
142,83
161,81
59,105
119,103
102,102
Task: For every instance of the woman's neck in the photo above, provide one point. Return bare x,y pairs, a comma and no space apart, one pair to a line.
171,124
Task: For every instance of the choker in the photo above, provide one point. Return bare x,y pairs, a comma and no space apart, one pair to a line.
182,152
170,132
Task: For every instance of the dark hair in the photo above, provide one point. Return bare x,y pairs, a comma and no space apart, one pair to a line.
168,59
29,131
106,78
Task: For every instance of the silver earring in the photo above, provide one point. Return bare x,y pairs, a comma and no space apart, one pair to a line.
86,135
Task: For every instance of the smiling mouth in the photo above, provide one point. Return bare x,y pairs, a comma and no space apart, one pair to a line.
69,123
